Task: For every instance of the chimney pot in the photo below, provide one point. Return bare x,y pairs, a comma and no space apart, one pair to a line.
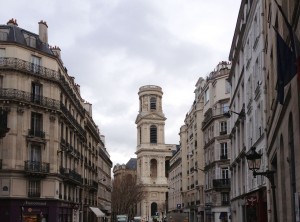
12,22
43,31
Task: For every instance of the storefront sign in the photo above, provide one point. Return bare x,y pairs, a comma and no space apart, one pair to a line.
251,200
34,203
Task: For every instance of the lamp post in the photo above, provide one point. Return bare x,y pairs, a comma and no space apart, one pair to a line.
254,161
230,112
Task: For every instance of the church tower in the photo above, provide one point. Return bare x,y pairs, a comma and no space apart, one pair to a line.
152,153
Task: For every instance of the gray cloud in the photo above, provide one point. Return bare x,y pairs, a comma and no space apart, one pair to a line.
112,47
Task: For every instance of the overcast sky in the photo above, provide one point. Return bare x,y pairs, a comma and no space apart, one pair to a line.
113,47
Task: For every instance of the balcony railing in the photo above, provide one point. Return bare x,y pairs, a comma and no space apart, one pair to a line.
36,133
69,116
223,157
22,96
225,202
29,67
36,70
71,175
221,183
36,167
210,113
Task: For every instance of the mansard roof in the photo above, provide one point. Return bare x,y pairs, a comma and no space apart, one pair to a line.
16,35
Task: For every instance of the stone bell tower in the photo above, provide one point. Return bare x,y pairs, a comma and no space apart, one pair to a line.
152,153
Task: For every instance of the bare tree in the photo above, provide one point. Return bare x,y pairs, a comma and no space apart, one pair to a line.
125,195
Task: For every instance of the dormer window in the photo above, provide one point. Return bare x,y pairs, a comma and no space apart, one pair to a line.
30,40
3,34
153,103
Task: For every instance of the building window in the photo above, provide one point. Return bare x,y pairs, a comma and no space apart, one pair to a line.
223,127
223,151
153,134
3,34
37,125
225,198
2,52
225,173
35,153
227,87
206,96
36,92
224,108
140,131
34,188
35,64
153,168
153,103
30,40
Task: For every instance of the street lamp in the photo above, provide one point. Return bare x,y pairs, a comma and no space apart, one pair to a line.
240,114
196,169
254,161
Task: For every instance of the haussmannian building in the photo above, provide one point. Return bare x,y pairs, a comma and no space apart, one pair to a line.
52,155
282,119
191,142
216,144
249,195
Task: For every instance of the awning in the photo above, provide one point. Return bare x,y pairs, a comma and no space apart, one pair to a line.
97,212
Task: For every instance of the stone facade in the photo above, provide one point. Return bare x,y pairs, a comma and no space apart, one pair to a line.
51,154
152,153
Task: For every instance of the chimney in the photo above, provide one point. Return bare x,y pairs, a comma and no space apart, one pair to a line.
12,22
43,31
56,51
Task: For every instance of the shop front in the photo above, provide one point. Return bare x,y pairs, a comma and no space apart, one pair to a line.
37,211
256,206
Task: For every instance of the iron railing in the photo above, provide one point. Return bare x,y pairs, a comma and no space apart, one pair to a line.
221,183
40,71
21,65
37,167
22,96
71,175
36,133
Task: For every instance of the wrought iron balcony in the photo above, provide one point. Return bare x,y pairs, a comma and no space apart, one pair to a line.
225,202
24,66
36,168
221,183
69,116
36,133
22,96
71,175
223,157
40,71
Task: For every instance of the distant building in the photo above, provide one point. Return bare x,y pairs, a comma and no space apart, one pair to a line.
216,144
129,168
152,154
52,155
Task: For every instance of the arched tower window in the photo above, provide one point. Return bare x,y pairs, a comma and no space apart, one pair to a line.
153,134
153,103
153,168
153,209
